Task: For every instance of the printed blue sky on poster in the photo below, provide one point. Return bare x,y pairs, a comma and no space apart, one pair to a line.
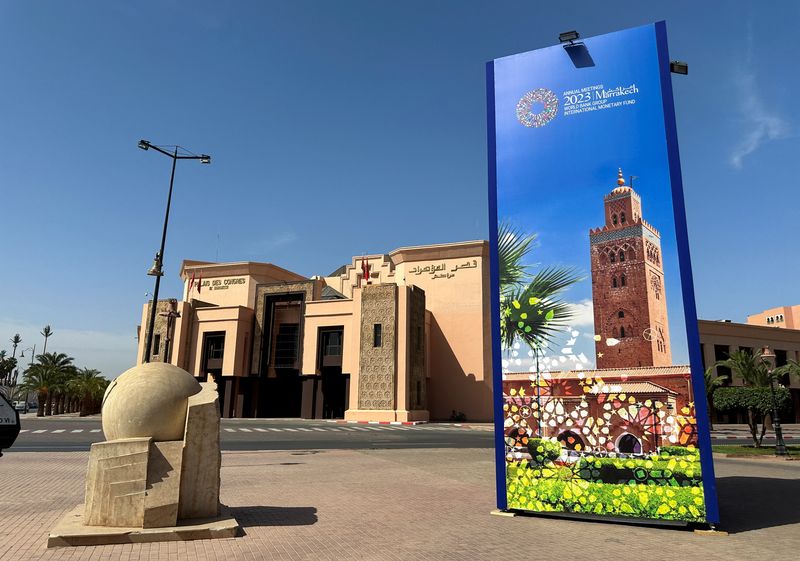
548,176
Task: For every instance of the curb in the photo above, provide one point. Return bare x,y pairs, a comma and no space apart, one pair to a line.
405,423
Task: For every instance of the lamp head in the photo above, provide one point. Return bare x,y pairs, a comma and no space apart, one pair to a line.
155,270
767,354
144,144
568,36
205,159
678,67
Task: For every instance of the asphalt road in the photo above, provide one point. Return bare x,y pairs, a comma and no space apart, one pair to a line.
65,434
74,434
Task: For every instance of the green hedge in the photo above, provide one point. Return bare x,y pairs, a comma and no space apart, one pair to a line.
543,450
679,451
576,495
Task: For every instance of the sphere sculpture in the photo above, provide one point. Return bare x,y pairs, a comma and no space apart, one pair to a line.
148,400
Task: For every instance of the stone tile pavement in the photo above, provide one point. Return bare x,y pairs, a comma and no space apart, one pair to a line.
397,505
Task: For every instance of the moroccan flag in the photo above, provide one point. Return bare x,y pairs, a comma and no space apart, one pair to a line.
365,270
199,281
191,284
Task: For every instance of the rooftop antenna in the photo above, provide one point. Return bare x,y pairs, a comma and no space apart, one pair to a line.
631,181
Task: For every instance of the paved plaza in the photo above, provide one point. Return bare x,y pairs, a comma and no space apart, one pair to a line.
397,505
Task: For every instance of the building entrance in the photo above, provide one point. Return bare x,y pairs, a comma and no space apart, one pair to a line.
334,383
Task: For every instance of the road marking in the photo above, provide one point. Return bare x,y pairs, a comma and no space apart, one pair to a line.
95,430
230,430
260,430
59,430
360,428
78,430
276,430
24,430
245,430
39,431
319,429
293,430
372,428
348,428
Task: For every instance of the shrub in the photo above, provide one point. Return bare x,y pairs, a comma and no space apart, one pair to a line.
576,495
679,451
543,450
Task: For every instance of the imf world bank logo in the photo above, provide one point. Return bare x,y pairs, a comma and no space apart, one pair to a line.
537,108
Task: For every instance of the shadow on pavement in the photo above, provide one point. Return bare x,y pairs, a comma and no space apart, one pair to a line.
752,503
251,516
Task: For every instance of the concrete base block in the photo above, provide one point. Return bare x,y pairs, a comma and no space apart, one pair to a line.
506,513
70,531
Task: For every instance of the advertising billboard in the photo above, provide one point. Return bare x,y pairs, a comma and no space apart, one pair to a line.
599,391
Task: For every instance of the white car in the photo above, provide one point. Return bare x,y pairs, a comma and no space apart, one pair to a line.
21,406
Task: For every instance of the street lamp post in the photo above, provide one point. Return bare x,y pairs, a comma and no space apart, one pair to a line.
157,269
780,446
30,363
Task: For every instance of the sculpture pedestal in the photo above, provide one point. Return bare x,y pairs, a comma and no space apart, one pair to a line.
71,531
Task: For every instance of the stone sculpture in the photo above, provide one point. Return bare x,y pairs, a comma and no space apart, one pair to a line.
160,464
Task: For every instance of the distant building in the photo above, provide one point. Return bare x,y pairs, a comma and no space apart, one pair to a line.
720,338
785,316
402,336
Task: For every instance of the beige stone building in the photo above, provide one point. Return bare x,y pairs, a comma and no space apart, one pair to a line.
719,338
783,316
402,336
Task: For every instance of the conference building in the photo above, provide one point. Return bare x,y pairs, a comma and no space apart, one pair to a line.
399,337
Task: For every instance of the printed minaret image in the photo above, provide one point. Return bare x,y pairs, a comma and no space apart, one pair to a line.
630,304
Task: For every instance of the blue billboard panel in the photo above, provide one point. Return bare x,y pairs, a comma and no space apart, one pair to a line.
599,397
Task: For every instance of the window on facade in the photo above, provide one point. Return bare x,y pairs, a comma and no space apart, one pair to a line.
621,256
622,331
156,344
612,257
614,219
377,335
622,217
332,343
623,280
287,345
614,282
620,314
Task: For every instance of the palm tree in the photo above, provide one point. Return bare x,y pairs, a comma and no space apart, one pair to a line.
88,385
15,340
47,332
712,382
755,373
48,378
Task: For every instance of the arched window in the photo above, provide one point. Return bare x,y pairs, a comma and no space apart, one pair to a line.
623,280
620,314
622,217
629,444
614,282
622,332
621,256
612,257
614,219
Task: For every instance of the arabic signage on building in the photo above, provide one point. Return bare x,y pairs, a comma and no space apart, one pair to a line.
599,397
441,270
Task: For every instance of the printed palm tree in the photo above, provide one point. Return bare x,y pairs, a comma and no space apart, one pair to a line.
46,332
712,382
531,309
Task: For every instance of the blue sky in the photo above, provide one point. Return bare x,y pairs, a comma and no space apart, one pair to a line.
338,128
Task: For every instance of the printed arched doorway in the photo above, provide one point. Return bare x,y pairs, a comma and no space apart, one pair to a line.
571,441
629,444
